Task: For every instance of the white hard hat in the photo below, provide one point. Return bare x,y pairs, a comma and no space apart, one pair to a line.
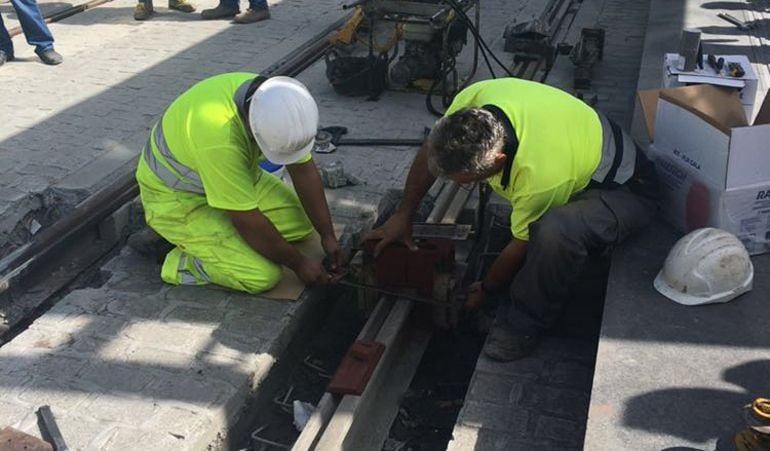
706,266
284,119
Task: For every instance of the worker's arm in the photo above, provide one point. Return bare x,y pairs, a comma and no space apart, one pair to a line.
307,183
265,239
399,226
500,274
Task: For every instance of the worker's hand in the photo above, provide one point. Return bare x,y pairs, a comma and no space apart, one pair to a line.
332,249
396,229
475,296
312,272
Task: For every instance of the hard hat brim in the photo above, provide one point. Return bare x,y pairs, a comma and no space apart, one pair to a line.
294,158
677,296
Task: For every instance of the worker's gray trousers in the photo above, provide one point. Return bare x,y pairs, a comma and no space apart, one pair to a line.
559,248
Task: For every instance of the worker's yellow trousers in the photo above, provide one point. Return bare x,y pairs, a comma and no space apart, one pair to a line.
208,247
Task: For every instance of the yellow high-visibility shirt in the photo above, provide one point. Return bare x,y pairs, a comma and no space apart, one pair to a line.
560,144
205,132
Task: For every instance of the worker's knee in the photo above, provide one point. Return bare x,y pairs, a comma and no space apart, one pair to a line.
263,279
555,230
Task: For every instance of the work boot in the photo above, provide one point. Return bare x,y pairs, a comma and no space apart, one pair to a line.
5,57
220,12
148,243
143,11
181,5
505,345
252,15
50,57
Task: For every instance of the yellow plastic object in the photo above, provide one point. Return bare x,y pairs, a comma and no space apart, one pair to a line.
348,31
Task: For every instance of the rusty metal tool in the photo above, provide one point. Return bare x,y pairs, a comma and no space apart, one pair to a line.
51,429
409,297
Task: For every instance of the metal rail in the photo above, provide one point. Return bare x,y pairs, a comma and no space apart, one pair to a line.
63,14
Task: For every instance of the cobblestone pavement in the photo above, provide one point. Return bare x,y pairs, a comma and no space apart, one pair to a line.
134,364
541,402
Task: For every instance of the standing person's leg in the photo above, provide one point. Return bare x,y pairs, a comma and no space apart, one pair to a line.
560,243
225,9
258,10
6,44
36,31
143,10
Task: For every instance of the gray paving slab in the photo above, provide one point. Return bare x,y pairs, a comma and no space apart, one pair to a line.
667,376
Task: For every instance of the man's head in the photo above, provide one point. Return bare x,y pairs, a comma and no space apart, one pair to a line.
467,146
283,118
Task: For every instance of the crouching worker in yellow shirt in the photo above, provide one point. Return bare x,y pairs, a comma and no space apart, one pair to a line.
203,190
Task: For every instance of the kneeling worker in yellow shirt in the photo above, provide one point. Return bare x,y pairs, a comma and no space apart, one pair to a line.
577,184
203,190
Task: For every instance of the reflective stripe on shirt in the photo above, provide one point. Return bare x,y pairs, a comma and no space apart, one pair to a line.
616,165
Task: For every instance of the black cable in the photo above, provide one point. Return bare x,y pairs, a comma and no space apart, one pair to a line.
477,35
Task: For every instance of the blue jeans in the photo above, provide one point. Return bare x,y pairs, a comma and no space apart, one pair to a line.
253,4
33,24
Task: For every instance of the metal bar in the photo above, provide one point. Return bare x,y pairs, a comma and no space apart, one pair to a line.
397,294
51,429
442,202
457,204
63,14
86,214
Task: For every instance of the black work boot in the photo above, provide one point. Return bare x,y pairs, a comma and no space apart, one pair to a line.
220,12
50,57
148,243
505,345
5,57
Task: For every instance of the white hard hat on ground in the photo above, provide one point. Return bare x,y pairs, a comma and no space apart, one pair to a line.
284,119
706,266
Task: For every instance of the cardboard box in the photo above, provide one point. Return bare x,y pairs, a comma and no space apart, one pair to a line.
714,168
746,86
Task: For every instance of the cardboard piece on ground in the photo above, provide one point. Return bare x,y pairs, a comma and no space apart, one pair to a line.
15,440
290,286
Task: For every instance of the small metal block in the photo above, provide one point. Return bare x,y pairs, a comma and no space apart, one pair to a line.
356,368
399,267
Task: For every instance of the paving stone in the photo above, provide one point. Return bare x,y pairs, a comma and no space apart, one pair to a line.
495,417
135,439
560,430
116,377
12,414
496,389
560,401
572,374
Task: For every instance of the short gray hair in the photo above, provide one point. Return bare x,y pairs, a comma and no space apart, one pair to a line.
465,141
